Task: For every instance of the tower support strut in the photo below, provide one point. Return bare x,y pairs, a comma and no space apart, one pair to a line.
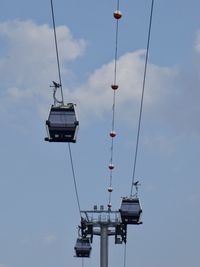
104,224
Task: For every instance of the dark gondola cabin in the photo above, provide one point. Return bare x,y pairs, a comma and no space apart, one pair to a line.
62,124
83,247
130,210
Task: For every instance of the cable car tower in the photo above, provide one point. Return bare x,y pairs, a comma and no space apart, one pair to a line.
106,222
103,223
62,126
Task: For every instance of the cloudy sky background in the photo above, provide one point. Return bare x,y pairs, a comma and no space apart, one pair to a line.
39,213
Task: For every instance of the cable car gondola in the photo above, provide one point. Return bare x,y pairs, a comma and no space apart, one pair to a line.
130,210
83,247
62,124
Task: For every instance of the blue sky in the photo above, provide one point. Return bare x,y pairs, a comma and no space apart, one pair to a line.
39,213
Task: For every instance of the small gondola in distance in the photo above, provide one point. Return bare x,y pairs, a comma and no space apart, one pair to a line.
62,124
130,210
83,247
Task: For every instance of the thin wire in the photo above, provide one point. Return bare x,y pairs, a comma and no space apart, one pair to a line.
142,97
112,145
61,90
57,54
114,100
116,51
59,74
74,179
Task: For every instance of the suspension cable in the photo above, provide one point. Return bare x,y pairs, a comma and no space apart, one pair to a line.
57,54
76,189
142,97
60,85
74,179
117,15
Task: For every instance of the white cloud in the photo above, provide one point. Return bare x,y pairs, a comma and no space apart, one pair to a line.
29,64
29,61
95,96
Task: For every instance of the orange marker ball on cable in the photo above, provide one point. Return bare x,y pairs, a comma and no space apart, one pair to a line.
110,189
111,166
117,14
114,86
112,134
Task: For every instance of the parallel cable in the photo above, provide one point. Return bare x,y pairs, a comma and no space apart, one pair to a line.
74,179
62,102
116,46
57,54
142,97
114,86
60,81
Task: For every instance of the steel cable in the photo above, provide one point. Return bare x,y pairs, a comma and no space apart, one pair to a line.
74,179
142,97
57,53
60,81
113,106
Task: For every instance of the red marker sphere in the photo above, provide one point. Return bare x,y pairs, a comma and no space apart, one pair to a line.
117,14
111,166
114,86
112,134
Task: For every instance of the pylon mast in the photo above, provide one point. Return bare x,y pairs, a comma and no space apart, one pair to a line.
104,246
104,223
